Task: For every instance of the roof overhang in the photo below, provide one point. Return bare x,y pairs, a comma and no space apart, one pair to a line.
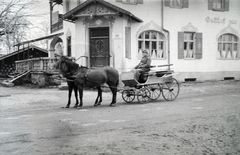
92,5
38,39
22,50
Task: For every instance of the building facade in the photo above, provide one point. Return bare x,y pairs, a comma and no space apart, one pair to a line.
200,38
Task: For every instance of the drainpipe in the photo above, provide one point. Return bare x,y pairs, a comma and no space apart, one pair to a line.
166,32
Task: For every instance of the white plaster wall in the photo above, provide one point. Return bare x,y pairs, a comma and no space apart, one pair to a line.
175,19
81,42
209,67
149,11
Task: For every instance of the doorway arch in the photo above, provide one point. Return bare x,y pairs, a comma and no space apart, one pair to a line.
53,43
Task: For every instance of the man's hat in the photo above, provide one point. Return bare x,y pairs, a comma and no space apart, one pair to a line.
145,51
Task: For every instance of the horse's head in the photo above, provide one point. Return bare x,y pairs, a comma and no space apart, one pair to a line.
65,65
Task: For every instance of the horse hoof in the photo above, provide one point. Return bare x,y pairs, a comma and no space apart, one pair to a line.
75,106
67,107
97,104
112,105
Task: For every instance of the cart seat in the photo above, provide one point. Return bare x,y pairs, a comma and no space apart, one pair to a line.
129,78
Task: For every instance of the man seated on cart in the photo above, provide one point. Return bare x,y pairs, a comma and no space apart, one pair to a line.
143,67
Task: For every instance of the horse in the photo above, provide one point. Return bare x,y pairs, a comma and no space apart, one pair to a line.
71,87
90,77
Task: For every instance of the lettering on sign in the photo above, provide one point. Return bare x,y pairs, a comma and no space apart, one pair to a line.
219,20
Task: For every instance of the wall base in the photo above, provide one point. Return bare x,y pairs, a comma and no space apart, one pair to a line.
207,76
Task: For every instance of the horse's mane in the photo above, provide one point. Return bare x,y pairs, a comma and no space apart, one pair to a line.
67,66
71,65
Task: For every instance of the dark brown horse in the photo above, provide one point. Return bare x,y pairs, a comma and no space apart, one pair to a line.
93,78
70,82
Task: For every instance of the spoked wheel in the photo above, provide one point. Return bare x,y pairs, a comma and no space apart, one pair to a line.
170,89
128,95
143,95
155,91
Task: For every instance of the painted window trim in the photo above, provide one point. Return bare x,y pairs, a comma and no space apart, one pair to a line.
128,42
67,5
197,46
184,4
69,46
225,4
157,40
222,52
135,2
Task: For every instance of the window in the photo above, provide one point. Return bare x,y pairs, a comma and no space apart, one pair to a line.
127,42
131,1
177,3
153,42
67,5
218,5
228,46
69,48
189,45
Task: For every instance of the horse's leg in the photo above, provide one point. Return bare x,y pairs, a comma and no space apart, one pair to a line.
80,89
76,96
70,88
99,97
114,95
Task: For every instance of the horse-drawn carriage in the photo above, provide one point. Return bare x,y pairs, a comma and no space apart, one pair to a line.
158,82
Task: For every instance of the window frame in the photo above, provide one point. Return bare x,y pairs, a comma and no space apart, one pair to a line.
184,4
188,42
159,42
213,3
197,45
132,2
69,46
221,48
128,42
67,5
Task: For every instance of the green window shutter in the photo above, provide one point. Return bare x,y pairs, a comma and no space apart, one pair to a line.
198,52
210,4
167,2
226,5
139,1
180,45
185,3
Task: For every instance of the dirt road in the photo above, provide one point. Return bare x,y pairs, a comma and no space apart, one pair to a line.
204,119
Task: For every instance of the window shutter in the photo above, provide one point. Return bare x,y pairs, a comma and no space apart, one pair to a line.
198,52
226,5
167,2
118,0
139,1
128,42
210,4
185,3
180,45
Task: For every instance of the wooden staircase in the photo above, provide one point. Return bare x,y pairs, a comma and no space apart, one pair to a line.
10,82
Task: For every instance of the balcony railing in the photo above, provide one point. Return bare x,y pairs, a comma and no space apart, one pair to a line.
36,64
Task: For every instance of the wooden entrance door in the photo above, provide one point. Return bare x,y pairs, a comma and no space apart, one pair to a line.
99,47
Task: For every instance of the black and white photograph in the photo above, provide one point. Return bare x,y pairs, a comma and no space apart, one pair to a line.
119,77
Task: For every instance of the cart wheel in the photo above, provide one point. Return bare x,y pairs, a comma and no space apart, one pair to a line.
143,95
128,95
170,89
155,91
